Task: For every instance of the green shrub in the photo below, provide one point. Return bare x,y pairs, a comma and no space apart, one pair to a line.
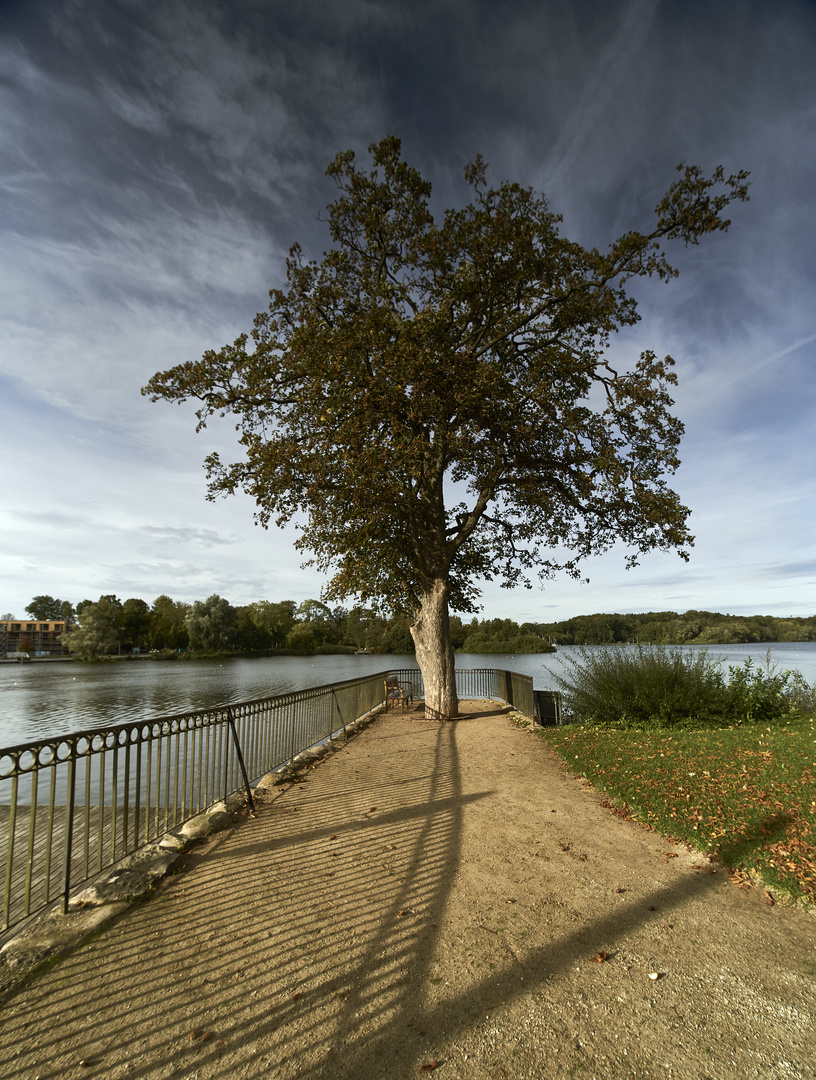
643,687
801,695
659,686
758,693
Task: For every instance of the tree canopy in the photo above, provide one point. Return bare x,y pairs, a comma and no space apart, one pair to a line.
435,398
45,608
98,631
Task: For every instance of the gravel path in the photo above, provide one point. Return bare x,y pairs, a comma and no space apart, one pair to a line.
433,899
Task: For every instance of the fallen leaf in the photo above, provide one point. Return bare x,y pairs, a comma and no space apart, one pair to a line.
651,908
296,997
654,975
620,890
207,1036
429,1067
333,836
194,1035
510,901
372,809
670,854
600,957
769,899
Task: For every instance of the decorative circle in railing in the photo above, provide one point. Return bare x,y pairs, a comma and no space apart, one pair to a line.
7,766
97,742
63,751
45,755
26,761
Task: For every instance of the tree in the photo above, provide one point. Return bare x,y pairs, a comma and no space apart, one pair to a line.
435,397
211,624
46,608
302,638
98,630
323,622
167,627
274,619
134,623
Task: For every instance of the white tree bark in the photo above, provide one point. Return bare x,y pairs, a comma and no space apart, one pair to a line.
434,653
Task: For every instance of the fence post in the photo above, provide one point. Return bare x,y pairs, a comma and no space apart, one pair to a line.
233,729
69,829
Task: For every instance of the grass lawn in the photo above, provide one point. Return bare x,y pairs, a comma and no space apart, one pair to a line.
747,793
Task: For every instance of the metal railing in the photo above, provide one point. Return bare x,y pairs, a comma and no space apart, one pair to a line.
74,805
493,683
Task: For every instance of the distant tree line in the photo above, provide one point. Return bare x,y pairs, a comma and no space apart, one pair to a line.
671,628
109,626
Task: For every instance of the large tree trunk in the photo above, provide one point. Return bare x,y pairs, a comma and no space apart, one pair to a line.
434,652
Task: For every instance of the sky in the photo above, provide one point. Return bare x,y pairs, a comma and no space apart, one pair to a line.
159,157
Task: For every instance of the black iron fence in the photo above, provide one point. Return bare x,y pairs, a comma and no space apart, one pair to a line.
516,690
74,805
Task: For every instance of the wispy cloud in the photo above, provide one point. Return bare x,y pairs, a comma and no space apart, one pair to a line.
203,537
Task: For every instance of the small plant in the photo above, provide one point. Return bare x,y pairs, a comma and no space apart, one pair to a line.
801,695
758,693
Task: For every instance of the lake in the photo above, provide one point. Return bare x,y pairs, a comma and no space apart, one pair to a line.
41,700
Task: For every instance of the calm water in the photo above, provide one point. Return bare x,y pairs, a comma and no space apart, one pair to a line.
40,700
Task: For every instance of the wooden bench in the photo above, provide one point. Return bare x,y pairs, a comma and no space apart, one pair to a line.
396,691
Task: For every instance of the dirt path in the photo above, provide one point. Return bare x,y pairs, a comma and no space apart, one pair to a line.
431,894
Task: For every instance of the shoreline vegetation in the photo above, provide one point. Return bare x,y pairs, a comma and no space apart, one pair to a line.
338,632
169,629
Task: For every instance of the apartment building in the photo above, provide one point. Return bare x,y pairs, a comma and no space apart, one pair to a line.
35,637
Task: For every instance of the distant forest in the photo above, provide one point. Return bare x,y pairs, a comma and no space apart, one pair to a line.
109,626
670,628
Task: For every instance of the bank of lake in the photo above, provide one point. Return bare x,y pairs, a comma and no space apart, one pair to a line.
45,699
